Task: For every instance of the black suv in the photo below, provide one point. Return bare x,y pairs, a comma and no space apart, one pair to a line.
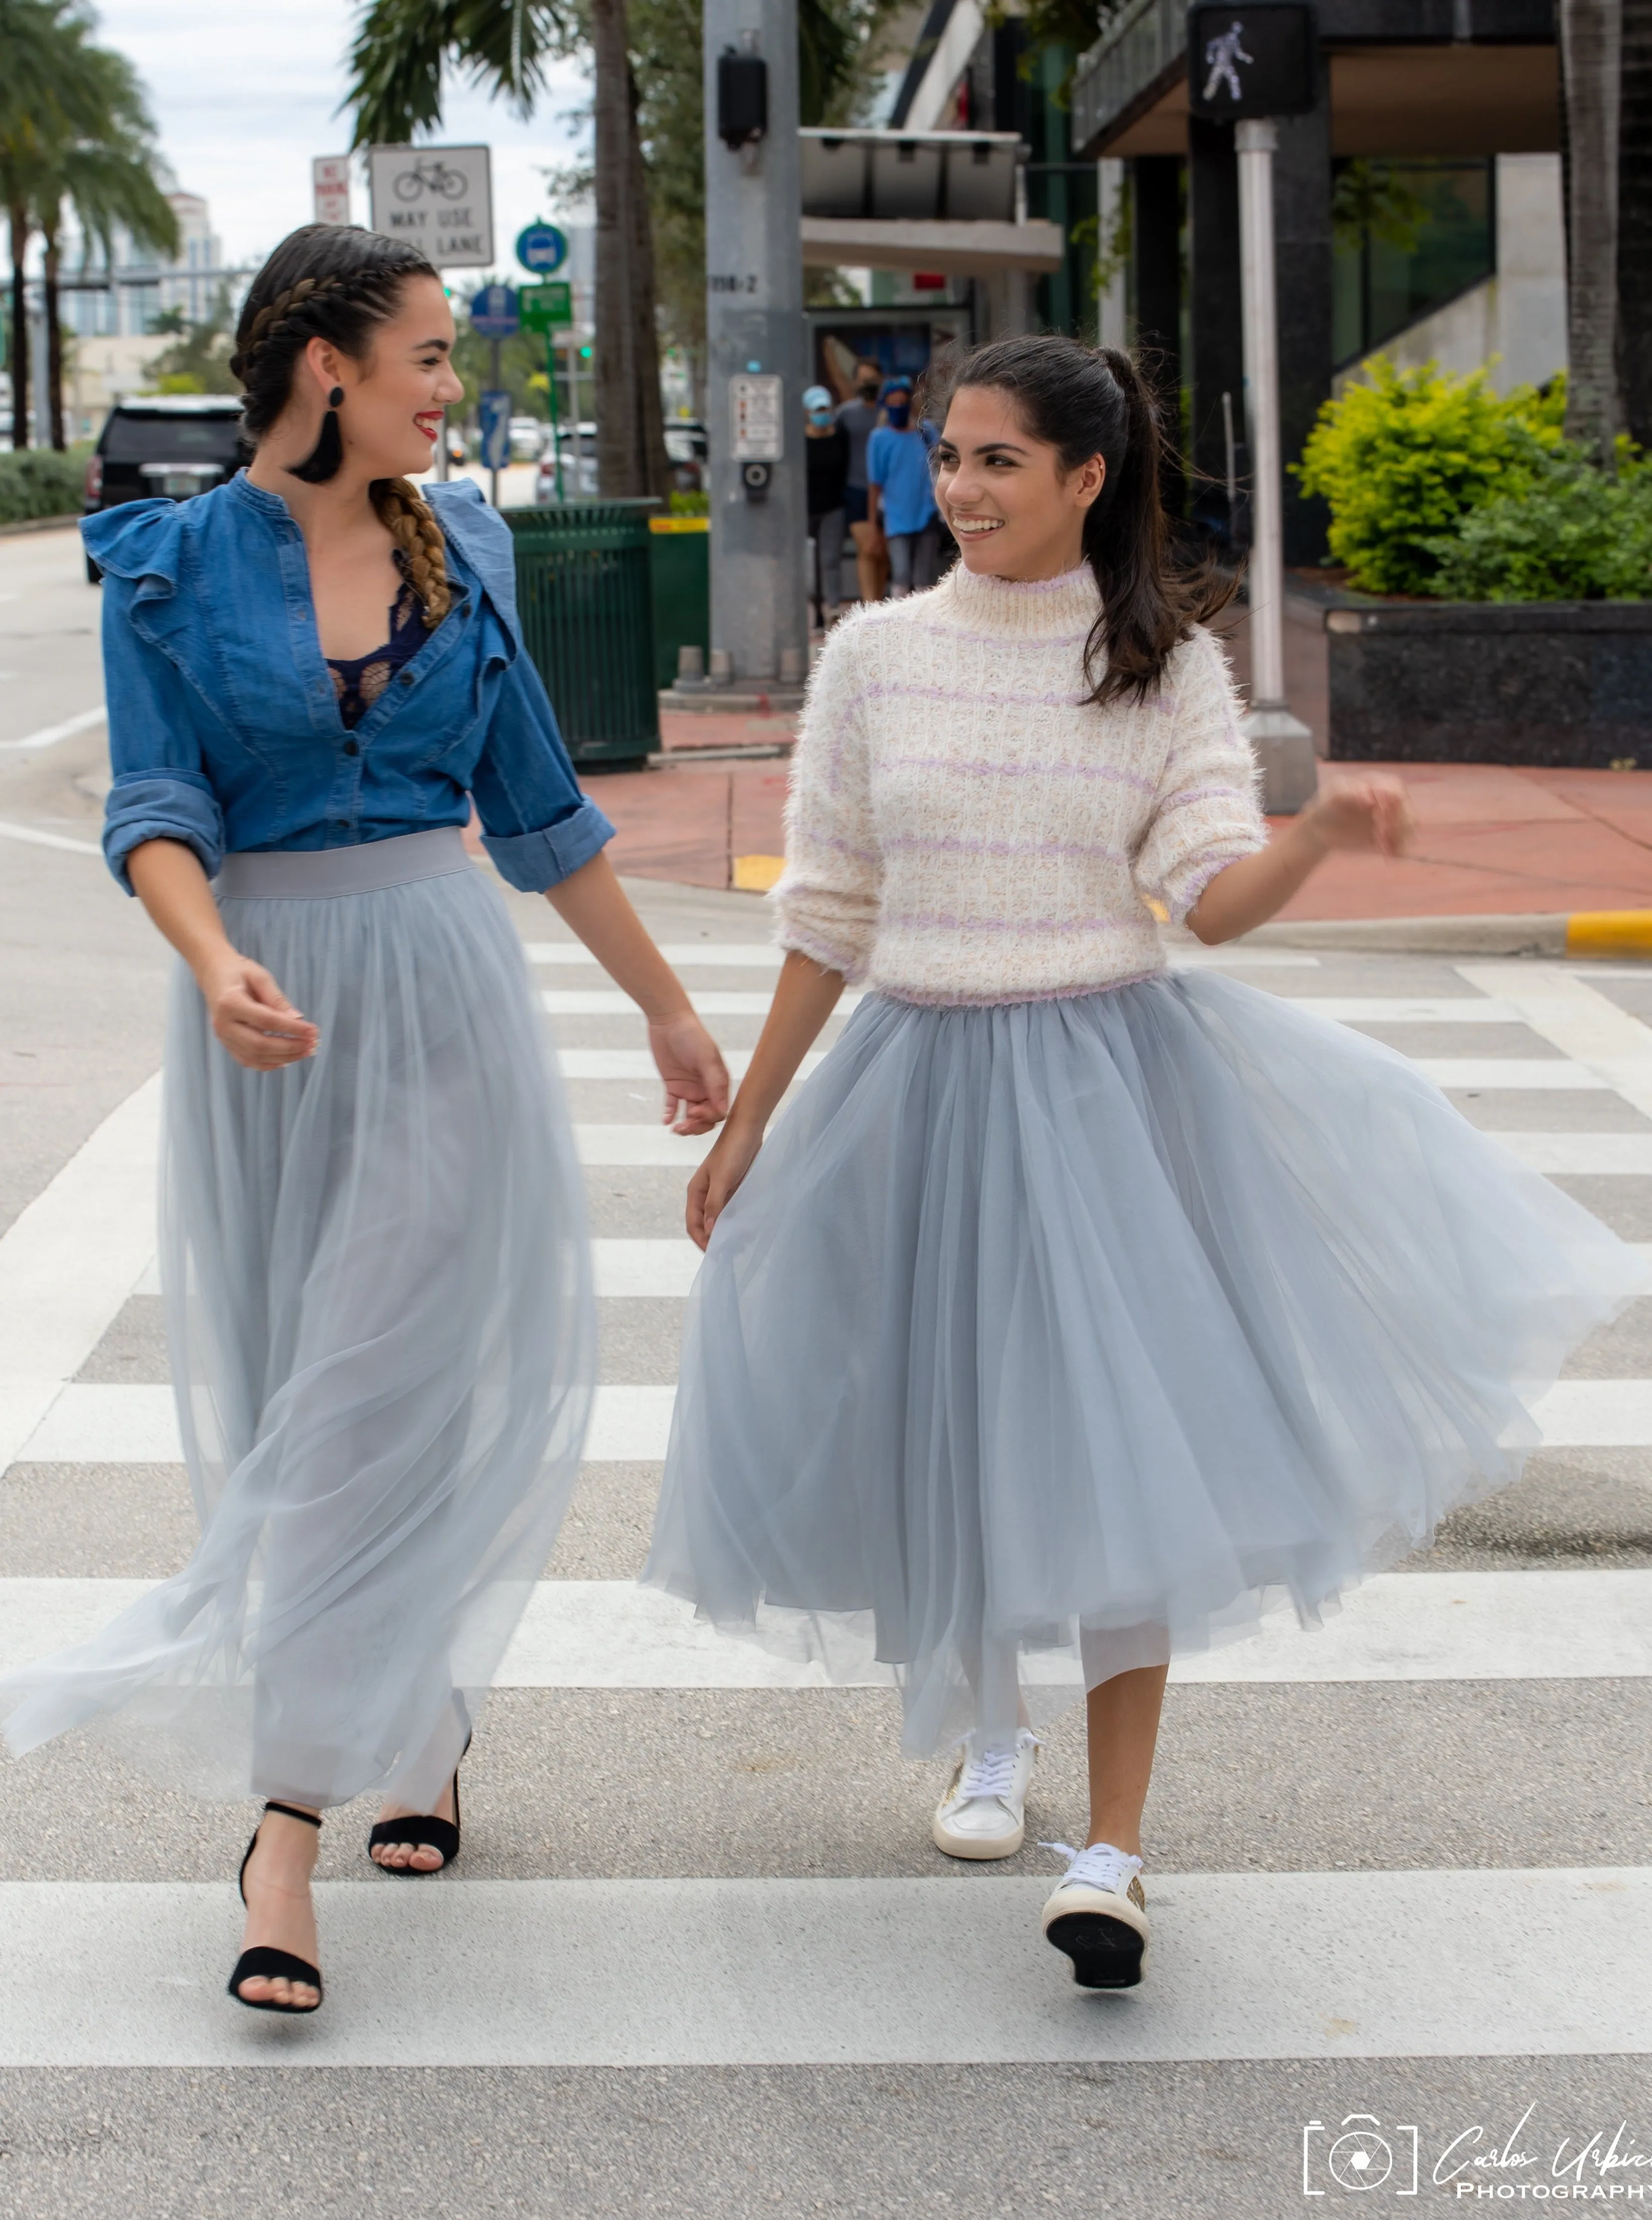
172,444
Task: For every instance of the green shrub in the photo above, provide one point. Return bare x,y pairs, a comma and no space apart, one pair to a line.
690,505
1401,458
1567,533
39,483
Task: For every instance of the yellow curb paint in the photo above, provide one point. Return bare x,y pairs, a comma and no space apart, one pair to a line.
679,524
1609,932
755,875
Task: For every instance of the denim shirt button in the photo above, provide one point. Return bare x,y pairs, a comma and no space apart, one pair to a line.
406,678
352,748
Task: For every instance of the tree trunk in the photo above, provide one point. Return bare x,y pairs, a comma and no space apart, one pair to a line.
54,345
1635,223
17,358
1591,42
630,441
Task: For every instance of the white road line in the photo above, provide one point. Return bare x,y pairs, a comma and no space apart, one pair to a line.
1442,1963
1594,1624
32,837
1490,1075
636,1063
645,1267
616,1146
1409,1009
711,1002
49,735
763,956
1584,1023
91,1423
70,1260
1602,1155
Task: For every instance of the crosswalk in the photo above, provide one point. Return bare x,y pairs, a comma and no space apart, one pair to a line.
520,1959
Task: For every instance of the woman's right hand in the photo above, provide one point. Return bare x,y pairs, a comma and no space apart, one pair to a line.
732,1157
252,1018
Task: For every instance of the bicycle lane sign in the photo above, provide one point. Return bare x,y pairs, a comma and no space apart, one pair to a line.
439,198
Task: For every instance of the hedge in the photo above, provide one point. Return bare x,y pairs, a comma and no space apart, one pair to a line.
38,482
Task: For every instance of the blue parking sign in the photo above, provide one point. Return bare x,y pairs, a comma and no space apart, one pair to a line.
493,408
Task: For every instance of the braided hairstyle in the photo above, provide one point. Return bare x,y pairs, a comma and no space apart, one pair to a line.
336,281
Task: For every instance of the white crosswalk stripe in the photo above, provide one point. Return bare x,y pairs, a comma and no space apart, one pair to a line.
731,1972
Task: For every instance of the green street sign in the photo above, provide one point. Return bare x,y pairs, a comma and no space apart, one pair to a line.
548,308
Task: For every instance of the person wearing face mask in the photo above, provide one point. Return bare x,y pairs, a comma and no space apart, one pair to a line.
826,454
902,499
859,418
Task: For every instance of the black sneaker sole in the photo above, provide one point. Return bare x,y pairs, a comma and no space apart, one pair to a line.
1107,1953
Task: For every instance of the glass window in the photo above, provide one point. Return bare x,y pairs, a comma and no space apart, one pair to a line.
1410,236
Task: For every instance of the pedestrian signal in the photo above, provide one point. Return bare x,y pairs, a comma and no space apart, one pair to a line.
1254,58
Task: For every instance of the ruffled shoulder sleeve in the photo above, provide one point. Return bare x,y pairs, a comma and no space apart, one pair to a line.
137,540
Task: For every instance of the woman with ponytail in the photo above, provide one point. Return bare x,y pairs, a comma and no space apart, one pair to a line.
373,1256
1079,1309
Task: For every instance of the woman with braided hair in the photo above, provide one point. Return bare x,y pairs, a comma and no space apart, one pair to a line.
374,1262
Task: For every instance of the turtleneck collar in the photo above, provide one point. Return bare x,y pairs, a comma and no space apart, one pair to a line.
1026,608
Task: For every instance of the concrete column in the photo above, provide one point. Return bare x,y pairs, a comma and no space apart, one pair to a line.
1215,311
1302,236
759,612
1112,328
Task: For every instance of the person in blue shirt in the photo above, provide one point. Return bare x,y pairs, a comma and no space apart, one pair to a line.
373,1254
902,496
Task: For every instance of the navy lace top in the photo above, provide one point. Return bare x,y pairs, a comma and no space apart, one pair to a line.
359,680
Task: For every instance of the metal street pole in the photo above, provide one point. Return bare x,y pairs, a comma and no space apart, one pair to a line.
1283,743
494,374
756,363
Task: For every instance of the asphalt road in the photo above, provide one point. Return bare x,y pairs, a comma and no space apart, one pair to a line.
699,1957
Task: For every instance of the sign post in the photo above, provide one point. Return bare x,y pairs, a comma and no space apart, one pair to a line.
440,197
1249,64
756,349
494,317
550,309
330,174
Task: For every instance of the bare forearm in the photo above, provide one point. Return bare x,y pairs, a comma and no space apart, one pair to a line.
173,889
593,904
804,999
1248,892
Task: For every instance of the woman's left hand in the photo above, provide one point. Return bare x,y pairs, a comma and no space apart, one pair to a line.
1373,812
697,1078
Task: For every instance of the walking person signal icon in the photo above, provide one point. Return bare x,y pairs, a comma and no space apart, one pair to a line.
1221,55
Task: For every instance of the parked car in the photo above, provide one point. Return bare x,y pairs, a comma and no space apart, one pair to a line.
170,444
578,466
690,451
528,437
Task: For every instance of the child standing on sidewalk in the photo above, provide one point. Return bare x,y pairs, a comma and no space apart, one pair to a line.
1077,1310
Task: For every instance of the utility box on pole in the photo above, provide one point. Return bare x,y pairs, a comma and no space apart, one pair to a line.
756,369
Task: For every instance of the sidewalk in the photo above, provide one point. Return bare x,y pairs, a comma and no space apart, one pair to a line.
1494,839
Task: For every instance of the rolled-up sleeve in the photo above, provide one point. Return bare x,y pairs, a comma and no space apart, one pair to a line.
825,901
1208,812
158,789
536,825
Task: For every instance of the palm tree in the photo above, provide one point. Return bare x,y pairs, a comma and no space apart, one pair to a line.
45,100
1590,45
1635,223
396,62
109,179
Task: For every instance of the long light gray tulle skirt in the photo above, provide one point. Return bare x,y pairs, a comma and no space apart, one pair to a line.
1046,1340
379,1308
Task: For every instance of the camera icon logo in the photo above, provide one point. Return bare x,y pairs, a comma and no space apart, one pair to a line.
1356,2154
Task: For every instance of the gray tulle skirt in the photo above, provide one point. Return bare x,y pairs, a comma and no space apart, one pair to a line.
1048,1340
378,1306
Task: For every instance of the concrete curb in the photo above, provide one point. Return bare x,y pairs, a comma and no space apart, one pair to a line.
39,524
1537,935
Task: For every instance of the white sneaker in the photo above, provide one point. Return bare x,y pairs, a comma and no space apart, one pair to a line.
1098,1916
983,1814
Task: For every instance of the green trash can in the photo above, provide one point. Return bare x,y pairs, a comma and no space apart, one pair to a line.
584,593
680,549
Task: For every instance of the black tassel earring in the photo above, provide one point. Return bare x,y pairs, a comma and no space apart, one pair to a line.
324,458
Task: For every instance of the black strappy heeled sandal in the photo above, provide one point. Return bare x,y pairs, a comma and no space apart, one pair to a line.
262,1963
425,1832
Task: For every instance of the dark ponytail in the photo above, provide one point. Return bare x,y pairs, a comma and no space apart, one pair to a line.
1093,401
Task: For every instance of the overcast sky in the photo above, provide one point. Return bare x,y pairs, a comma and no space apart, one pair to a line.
245,96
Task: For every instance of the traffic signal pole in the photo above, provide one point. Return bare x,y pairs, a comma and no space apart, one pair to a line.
757,366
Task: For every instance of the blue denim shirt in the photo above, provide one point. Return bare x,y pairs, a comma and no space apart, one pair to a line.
224,725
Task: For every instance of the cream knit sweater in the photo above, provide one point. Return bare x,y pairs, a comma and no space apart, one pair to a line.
961,828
